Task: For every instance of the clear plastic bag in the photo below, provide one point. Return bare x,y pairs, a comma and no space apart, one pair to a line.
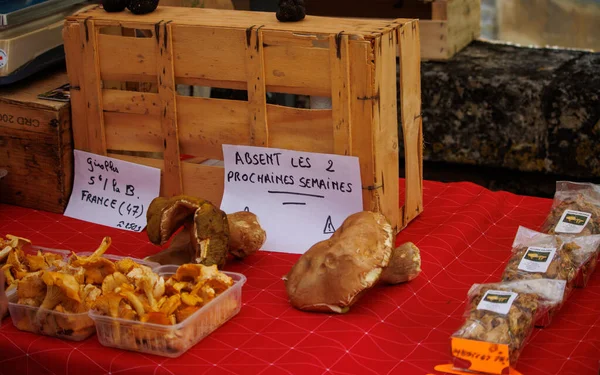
505,313
540,256
574,196
550,257
576,212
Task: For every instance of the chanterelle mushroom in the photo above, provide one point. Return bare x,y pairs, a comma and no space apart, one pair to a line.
60,286
333,274
96,267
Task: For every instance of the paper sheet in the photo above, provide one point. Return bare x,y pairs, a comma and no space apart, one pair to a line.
112,192
300,198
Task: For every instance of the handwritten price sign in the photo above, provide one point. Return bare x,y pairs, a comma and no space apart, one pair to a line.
112,192
300,198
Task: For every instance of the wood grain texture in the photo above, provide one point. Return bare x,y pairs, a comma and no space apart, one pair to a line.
168,110
412,121
92,81
73,57
362,95
257,93
385,131
340,94
36,146
367,28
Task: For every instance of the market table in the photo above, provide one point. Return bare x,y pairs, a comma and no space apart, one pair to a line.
464,235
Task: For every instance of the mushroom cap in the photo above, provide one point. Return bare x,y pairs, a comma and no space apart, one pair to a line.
108,304
67,283
334,273
113,281
32,286
166,215
246,236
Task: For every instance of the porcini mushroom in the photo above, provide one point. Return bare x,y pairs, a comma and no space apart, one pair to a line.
208,234
405,264
333,274
246,236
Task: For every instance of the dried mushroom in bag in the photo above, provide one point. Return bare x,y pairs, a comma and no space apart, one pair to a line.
575,210
584,254
539,256
505,313
550,257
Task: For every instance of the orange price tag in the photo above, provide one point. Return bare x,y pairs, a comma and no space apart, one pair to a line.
482,356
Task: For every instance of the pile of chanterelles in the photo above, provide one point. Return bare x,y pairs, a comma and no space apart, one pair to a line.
333,274
119,289
208,235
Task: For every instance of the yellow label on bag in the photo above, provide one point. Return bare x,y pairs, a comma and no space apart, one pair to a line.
482,356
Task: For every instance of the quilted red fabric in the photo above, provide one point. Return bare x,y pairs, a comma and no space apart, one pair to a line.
464,235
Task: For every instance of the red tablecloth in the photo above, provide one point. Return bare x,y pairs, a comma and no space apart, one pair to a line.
464,235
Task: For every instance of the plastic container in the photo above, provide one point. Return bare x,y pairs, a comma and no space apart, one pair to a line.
74,327
3,298
174,340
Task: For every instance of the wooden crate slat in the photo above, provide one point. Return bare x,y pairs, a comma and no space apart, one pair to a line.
436,35
142,103
205,124
340,94
239,19
299,129
284,75
126,57
203,52
464,23
257,94
133,132
361,112
74,62
410,87
168,113
92,82
385,131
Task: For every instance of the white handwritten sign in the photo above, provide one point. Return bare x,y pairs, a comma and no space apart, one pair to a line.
300,198
112,192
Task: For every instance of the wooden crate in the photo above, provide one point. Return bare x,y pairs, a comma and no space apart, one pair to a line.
35,145
447,26
351,61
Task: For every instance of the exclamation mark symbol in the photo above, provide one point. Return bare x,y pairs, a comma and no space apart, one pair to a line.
329,228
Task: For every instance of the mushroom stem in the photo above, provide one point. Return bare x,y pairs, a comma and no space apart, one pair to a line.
405,265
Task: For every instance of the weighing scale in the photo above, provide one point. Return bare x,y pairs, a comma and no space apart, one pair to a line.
31,35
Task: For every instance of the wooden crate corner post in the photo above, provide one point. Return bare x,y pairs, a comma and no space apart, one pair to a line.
453,25
412,121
